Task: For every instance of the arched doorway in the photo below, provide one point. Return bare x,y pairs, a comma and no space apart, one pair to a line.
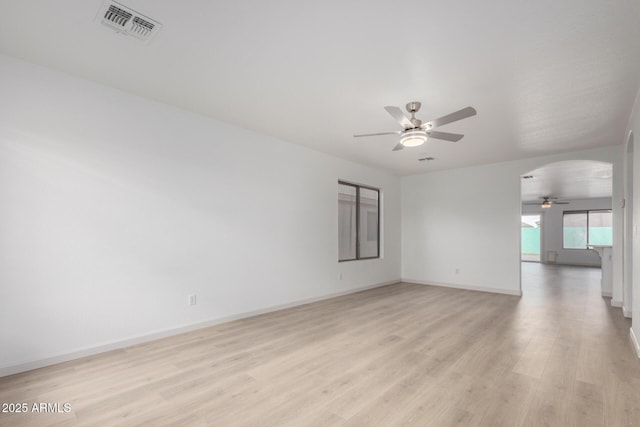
574,201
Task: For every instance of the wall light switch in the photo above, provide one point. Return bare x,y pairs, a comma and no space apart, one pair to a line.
192,299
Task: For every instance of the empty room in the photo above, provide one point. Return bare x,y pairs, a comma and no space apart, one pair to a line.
319,214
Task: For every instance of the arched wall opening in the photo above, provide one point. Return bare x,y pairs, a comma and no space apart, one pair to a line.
576,191
462,228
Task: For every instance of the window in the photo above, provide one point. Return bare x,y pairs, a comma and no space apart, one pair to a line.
530,238
574,230
358,222
582,228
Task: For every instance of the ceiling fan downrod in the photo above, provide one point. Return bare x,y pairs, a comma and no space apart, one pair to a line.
413,108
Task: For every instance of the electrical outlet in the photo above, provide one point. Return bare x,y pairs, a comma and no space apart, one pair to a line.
457,271
192,299
340,276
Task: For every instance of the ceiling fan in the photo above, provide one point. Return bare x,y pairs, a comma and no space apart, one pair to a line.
547,201
415,132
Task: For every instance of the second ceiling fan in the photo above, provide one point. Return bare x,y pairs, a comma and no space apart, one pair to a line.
415,131
547,201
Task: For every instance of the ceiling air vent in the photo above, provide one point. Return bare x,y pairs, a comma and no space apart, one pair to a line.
127,21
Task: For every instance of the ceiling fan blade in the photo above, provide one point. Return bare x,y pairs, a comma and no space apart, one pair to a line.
453,117
398,147
559,203
397,114
379,133
531,203
453,137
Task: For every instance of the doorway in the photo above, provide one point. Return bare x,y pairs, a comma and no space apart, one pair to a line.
550,191
530,238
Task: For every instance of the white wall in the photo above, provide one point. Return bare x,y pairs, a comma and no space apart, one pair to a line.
627,294
115,208
469,220
454,229
634,125
552,230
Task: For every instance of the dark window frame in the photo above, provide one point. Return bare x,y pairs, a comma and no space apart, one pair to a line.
584,211
377,190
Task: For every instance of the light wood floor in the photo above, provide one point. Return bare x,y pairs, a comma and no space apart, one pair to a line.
399,355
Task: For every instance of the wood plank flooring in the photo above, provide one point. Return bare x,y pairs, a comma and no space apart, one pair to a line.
398,355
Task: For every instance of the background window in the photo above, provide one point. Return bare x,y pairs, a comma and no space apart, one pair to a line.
358,222
530,238
583,228
600,228
574,230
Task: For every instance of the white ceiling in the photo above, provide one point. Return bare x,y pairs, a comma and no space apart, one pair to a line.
545,76
574,179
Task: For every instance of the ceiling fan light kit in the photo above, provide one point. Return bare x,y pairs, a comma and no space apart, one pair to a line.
413,137
416,131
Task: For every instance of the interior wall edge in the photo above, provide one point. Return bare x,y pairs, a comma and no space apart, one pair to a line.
634,341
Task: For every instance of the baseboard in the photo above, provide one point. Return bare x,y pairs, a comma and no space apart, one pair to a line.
607,294
626,312
634,341
614,303
128,342
466,287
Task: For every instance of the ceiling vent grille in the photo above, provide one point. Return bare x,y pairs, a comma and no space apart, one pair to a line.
127,21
